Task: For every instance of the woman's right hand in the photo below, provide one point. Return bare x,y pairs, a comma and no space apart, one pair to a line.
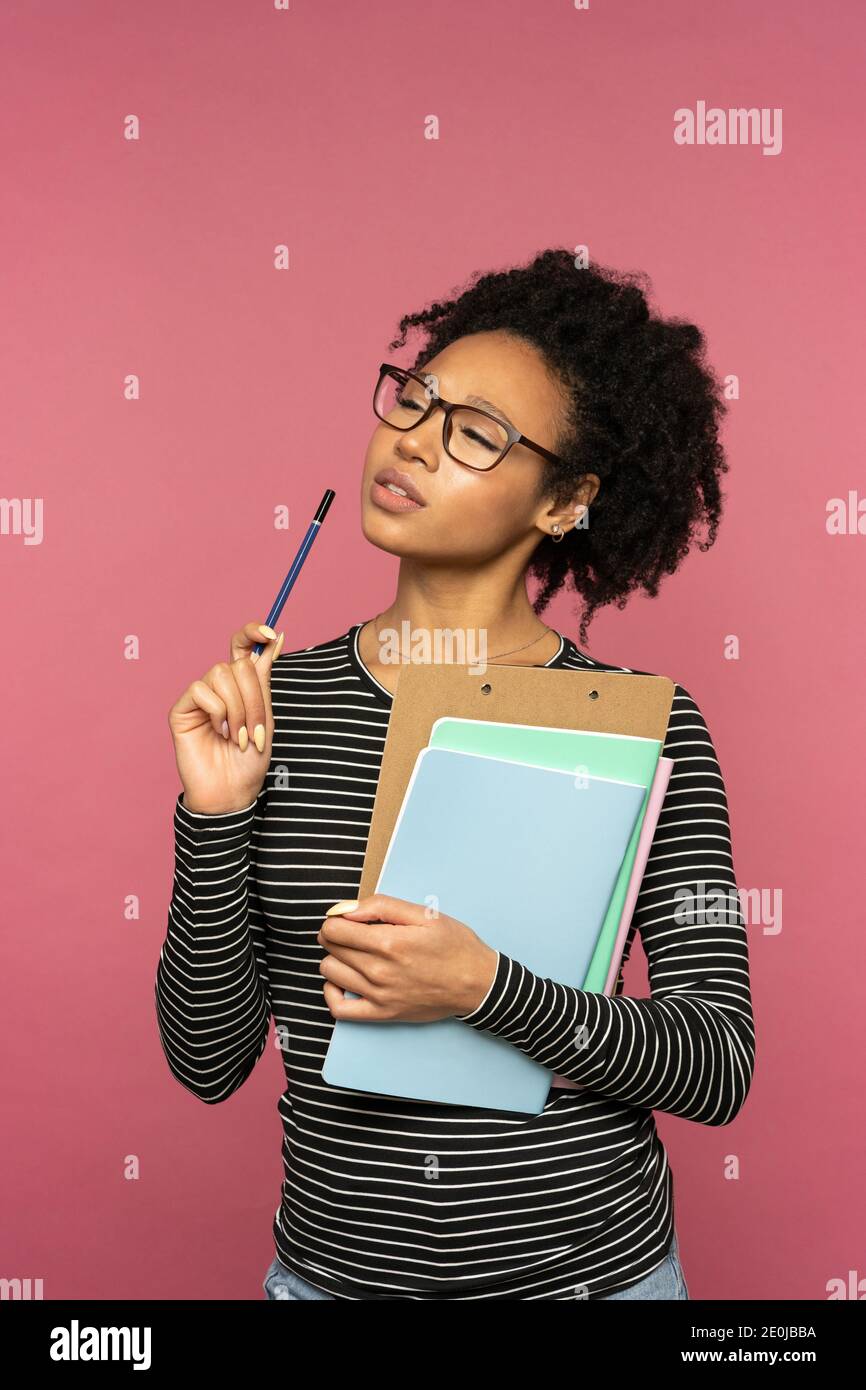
226,773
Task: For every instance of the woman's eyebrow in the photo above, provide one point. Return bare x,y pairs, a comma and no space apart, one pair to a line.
488,405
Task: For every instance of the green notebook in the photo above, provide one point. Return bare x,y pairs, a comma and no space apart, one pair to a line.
620,756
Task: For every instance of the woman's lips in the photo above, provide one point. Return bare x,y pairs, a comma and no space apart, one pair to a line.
391,501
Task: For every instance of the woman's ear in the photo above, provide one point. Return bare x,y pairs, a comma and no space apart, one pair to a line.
568,515
574,514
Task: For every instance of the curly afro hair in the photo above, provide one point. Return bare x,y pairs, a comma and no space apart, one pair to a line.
644,416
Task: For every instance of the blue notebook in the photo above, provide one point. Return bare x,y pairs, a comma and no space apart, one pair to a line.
526,856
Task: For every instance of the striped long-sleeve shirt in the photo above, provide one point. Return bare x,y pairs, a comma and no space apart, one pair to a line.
389,1198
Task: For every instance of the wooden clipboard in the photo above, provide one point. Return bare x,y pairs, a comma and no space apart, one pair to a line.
609,702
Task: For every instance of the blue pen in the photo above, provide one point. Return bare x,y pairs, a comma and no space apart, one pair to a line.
295,569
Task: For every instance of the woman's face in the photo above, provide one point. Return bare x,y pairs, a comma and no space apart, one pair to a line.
467,515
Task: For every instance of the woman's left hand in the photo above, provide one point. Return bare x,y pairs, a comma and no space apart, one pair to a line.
406,961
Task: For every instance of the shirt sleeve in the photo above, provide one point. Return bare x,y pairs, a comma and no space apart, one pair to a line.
213,1000
690,1048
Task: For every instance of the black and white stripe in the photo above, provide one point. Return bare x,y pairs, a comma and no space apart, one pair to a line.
385,1198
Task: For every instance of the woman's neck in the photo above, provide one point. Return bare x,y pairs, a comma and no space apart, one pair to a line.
454,614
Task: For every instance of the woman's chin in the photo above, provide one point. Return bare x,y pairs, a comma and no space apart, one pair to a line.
381,531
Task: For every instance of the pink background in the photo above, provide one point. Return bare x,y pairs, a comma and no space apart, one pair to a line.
261,127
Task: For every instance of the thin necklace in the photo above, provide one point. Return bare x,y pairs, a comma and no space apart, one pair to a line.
523,648
513,649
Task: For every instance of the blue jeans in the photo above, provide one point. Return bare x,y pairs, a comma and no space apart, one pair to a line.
666,1281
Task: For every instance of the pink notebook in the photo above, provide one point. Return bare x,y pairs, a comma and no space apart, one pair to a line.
664,767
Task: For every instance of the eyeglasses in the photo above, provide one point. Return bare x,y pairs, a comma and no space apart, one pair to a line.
471,436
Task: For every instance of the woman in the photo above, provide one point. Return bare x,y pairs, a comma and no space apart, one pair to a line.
589,401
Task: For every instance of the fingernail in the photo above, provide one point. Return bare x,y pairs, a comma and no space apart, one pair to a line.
347,905
259,737
225,728
243,738
268,631
279,646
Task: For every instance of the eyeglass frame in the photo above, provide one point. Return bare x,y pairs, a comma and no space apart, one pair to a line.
514,435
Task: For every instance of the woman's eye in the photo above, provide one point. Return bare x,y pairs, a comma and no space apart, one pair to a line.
408,404
479,439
